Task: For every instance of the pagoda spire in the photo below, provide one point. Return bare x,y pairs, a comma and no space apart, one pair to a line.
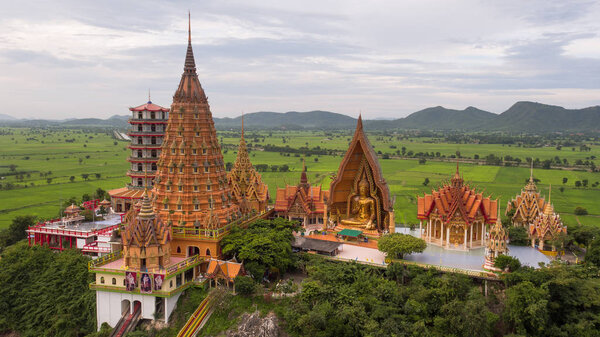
189,90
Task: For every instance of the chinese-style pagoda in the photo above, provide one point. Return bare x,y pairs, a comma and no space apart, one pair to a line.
456,215
147,129
247,187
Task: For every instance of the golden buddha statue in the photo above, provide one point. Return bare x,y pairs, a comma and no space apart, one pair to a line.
362,208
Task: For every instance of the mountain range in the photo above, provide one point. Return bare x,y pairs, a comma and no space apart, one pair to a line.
521,117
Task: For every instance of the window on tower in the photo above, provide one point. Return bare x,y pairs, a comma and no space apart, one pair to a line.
152,115
181,169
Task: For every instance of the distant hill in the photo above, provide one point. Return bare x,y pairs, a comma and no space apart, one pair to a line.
293,119
537,117
5,117
521,117
438,118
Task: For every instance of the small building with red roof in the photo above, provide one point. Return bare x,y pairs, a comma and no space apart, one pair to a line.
456,215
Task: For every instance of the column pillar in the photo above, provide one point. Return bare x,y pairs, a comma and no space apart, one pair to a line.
420,228
441,234
465,241
61,240
471,237
448,236
429,230
483,233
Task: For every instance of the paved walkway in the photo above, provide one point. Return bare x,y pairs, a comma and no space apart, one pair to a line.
353,252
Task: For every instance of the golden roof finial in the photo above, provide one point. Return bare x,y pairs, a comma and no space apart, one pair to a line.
189,27
242,124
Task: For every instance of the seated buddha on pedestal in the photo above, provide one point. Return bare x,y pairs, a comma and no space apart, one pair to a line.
362,208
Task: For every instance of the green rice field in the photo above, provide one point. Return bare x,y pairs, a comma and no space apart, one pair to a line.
43,154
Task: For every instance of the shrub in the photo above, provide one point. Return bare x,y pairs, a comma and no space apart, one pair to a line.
245,285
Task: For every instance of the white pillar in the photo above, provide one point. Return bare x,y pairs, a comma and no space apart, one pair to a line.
465,241
471,236
429,231
442,234
448,236
483,233
420,228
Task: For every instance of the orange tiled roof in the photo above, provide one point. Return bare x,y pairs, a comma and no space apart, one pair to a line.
224,269
312,198
126,193
454,198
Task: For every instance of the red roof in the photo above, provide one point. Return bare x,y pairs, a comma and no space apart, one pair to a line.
149,107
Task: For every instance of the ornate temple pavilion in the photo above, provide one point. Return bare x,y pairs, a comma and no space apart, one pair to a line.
547,226
302,202
359,195
456,215
247,188
527,205
191,192
148,123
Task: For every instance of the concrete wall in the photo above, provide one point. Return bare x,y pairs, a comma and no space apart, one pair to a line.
109,306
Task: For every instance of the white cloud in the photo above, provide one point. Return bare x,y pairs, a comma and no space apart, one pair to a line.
386,58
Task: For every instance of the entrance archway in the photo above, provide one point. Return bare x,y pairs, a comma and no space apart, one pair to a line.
125,307
137,307
192,250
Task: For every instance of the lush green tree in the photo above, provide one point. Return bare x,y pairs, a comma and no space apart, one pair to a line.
580,211
396,245
16,231
518,235
503,261
264,246
592,255
45,293
527,310
244,285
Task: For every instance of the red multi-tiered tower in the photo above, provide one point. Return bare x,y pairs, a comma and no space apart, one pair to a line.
147,130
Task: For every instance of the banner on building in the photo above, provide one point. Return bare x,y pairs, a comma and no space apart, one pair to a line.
145,284
130,280
158,281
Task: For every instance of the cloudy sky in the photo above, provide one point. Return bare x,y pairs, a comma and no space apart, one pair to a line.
62,59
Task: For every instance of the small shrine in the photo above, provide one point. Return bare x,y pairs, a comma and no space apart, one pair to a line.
359,196
527,205
547,226
456,215
146,240
497,244
247,187
302,202
224,272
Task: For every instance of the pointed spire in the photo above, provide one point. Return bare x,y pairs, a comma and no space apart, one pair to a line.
359,123
531,172
149,100
550,194
303,177
189,27
242,125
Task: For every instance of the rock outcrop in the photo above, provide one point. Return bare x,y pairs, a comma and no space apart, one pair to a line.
252,325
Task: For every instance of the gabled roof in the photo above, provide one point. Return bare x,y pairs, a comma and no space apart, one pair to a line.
360,141
228,270
312,198
457,199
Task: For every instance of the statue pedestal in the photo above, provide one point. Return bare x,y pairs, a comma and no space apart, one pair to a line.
370,233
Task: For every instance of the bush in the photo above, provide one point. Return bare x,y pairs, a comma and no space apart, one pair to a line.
504,261
244,285
518,236
580,211
396,245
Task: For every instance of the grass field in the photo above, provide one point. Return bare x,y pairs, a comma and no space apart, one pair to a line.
24,148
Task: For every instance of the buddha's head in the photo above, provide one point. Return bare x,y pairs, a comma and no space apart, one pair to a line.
363,187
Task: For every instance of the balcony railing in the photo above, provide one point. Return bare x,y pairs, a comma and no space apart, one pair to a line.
95,264
146,158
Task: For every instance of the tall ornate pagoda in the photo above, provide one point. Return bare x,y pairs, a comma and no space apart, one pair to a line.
302,202
148,123
527,205
248,189
359,195
547,226
456,215
497,244
191,189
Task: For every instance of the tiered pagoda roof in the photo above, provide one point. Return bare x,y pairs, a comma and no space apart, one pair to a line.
527,205
498,238
457,200
247,187
221,269
547,225
190,187
302,198
149,106
146,238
